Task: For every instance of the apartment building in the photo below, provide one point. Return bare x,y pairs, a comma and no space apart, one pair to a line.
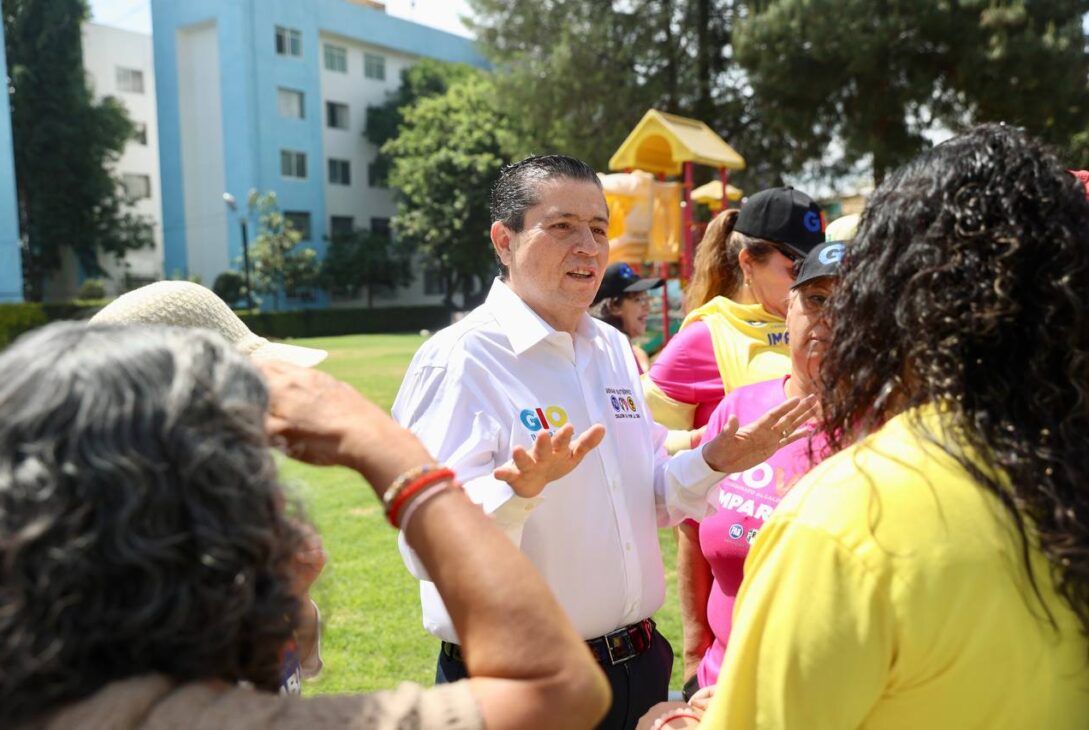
271,95
11,267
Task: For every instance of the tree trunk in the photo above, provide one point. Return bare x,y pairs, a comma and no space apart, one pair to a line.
448,287
704,106
671,71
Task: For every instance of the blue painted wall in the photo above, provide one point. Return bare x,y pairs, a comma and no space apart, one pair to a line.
250,72
11,268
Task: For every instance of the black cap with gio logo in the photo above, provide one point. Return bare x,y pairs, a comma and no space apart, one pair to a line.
824,260
783,215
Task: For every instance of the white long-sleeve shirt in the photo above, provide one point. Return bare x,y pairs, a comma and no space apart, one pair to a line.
493,381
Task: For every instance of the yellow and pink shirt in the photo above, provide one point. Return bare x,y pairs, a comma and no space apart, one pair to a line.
720,346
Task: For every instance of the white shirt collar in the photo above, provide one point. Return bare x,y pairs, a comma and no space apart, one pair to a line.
523,327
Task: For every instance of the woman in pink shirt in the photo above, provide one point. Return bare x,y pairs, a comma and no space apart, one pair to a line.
746,500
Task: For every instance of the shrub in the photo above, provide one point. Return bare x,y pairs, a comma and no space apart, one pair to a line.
345,321
230,286
15,319
91,289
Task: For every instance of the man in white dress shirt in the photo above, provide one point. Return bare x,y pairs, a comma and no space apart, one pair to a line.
498,397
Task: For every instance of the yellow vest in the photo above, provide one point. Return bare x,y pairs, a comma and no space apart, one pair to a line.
750,343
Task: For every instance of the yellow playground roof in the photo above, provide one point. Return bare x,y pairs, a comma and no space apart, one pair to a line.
711,193
662,143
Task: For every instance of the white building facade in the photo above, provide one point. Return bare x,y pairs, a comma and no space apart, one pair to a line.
120,63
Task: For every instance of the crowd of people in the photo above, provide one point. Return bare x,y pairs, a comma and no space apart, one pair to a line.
873,436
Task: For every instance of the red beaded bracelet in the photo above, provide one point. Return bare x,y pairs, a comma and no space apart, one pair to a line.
414,487
678,714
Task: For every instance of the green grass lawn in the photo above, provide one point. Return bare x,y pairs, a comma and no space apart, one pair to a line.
370,604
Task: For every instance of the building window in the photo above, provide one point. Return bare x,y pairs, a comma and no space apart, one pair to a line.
341,225
137,187
293,163
130,80
139,133
433,283
380,226
288,42
291,103
340,172
377,173
300,221
336,115
336,59
374,66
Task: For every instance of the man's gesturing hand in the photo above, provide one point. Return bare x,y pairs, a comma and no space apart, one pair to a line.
736,449
550,459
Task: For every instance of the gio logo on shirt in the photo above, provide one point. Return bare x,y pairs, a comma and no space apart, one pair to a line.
547,417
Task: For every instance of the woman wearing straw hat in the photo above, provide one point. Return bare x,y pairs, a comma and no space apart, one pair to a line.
147,558
187,304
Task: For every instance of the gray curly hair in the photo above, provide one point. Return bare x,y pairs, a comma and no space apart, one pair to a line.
141,521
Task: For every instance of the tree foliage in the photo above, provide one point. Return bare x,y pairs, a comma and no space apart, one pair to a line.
875,76
364,258
581,73
425,78
445,157
230,286
64,145
280,264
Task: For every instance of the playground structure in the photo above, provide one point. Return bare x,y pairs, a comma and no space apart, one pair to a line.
651,218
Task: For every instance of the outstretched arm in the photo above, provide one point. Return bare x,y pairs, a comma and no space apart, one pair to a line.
543,678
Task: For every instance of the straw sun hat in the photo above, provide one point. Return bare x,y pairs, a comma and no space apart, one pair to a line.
185,304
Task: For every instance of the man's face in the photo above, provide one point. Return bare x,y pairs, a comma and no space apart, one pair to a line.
558,258
808,329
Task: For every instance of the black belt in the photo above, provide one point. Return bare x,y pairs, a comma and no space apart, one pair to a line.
615,647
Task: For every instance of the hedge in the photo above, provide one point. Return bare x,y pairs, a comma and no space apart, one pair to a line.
15,319
353,321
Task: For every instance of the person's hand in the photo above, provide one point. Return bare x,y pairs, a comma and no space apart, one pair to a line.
652,720
695,436
550,459
736,449
308,562
318,419
702,699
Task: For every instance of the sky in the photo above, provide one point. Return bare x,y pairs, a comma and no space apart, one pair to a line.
443,14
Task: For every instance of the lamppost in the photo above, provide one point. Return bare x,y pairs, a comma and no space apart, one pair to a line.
233,205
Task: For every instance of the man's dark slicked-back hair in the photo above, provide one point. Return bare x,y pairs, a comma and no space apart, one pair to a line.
516,189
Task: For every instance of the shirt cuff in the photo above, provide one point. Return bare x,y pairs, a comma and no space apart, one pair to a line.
694,479
312,665
509,511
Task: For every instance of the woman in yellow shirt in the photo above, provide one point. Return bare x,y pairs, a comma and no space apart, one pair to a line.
935,572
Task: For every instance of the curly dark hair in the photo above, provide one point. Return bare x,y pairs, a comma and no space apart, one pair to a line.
142,527
968,285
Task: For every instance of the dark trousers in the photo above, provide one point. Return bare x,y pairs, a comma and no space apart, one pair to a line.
637,684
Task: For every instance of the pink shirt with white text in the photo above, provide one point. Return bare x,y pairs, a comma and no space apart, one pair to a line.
745,501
